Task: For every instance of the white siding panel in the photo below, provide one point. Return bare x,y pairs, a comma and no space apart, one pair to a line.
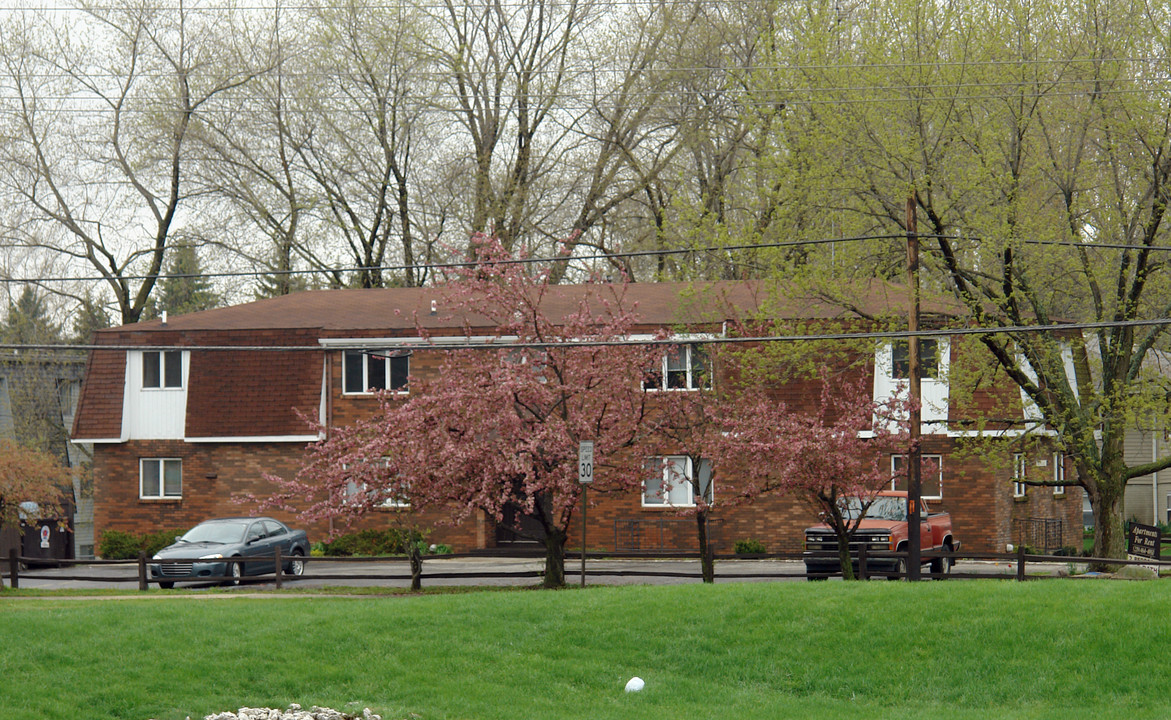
936,395
154,413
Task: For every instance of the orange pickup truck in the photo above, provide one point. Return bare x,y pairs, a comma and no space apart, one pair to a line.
883,530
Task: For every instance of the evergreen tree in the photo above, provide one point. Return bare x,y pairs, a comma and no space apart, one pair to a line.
28,321
90,316
185,289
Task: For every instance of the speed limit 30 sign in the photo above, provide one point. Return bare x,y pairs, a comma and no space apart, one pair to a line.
585,461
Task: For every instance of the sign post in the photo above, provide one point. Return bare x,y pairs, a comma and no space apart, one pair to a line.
585,476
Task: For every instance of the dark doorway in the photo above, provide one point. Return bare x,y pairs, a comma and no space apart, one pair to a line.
519,528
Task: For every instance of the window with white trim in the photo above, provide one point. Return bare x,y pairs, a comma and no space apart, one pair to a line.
1058,474
356,486
684,367
1019,488
368,371
930,475
162,369
671,482
900,357
160,478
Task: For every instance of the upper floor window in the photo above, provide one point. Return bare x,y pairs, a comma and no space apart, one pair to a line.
162,369
684,367
900,353
366,371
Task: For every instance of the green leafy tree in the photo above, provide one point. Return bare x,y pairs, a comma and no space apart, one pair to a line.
1036,155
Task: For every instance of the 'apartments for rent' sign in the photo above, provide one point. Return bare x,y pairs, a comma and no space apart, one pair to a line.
1143,543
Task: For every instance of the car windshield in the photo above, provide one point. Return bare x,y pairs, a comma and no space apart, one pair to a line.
216,532
884,507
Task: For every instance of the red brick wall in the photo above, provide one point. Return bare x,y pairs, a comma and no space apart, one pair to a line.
214,474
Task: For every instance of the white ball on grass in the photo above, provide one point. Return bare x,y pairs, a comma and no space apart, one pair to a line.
635,684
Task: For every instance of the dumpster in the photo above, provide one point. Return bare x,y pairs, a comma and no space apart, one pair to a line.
45,540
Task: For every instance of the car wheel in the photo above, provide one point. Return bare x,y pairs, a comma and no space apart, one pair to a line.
900,570
235,570
941,567
297,565
166,584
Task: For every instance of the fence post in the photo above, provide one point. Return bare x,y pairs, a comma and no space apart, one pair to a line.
13,569
142,570
1020,563
862,562
277,560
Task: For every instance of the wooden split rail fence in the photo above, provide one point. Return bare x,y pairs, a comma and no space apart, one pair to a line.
728,567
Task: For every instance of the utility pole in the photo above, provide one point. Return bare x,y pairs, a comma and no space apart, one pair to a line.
914,476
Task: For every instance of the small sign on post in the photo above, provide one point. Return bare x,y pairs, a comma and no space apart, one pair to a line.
585,476
585,461
1143,543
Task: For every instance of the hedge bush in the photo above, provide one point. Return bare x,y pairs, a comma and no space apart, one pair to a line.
118,545
391,541
749,546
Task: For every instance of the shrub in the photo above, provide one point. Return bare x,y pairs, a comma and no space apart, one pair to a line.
748,546
118,545
391,541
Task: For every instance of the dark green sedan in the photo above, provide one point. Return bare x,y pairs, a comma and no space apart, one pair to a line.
206,551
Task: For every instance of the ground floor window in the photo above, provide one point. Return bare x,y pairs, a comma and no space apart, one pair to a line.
358,484
1058,473
930,475
1019,488
160,478
671,481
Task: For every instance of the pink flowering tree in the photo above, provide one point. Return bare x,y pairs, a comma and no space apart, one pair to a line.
496,428
827,456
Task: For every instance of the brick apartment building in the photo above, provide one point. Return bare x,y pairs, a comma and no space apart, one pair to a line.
186,416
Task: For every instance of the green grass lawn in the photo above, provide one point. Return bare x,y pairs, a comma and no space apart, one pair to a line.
1058,648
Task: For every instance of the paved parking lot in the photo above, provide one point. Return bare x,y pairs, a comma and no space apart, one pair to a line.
479,571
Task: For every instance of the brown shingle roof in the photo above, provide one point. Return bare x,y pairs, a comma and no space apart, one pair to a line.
363,311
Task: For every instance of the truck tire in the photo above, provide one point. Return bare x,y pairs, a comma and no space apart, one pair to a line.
941,567
900,570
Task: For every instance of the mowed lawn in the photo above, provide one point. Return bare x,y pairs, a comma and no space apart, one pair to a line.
1056,648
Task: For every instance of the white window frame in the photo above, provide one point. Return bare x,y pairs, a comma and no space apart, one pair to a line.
353,488
1019,488
925,372
691,382
1059,474
937,459
388,357
161,464
686,485
159,360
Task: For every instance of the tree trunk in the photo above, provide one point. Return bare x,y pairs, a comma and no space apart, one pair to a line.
555,559
844,558
1109,534
415,555
706,561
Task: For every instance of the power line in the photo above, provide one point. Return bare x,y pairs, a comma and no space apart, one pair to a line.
629,254
474,263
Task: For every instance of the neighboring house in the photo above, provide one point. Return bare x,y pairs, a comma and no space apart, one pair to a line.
179,434
38,398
